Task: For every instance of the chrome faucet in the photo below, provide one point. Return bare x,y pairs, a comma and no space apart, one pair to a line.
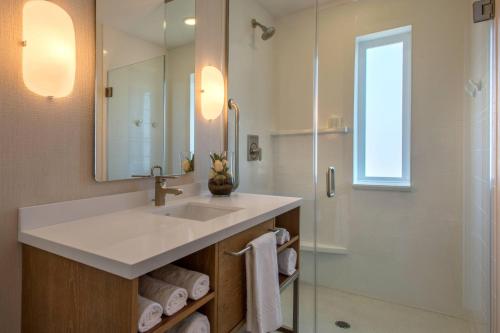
161,189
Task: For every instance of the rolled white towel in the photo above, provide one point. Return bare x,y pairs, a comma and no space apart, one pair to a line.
287,260
170,297
149,314
282,236
197,284
195,323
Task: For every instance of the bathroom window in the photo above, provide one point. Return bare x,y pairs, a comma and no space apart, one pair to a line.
383,109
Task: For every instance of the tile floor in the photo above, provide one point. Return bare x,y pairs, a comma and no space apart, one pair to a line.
365,315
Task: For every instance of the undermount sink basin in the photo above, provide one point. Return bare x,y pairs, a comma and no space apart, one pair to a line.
198,211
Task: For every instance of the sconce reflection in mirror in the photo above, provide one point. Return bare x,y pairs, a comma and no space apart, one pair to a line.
212,92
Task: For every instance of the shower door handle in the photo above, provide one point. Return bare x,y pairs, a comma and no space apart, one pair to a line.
330,182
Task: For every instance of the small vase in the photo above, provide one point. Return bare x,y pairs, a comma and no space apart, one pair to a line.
220,182
187,162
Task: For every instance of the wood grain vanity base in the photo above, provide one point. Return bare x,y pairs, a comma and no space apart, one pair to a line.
62,295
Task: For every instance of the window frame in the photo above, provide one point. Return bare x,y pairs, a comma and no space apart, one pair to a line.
363,43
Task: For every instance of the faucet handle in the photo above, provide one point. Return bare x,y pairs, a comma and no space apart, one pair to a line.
162,180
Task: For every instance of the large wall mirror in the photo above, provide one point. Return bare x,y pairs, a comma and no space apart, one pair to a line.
144,107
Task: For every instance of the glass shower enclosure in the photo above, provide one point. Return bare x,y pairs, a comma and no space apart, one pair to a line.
378,114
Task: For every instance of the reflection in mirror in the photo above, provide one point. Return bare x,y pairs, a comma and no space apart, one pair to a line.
144,116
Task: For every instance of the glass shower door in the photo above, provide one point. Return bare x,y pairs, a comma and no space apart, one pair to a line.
404,112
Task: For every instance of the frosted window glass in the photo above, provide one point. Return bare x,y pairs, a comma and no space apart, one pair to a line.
384,111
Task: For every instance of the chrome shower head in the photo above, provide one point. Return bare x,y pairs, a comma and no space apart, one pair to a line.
267,32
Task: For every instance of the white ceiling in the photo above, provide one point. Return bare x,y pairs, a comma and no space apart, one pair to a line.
280,8
145,19
178,33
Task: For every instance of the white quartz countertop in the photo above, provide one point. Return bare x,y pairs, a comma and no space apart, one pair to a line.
133,242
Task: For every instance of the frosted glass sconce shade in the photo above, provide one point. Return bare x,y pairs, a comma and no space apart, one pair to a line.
49,55
212,89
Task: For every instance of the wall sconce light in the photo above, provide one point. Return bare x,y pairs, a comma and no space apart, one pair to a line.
49,52
212,92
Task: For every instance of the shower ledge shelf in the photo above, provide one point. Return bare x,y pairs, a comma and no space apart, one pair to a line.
322,248
322,131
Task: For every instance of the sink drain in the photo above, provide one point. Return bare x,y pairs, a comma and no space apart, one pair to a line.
342,324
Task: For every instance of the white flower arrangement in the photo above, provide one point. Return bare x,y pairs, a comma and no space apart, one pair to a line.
220,179
219,169
188,164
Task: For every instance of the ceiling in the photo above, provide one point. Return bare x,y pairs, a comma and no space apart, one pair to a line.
280,8
145,19
177,32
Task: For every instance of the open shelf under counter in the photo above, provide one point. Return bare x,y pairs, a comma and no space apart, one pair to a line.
192,306
288,244
285,281
70,291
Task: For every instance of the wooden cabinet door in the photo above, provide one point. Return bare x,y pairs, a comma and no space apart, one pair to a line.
231,289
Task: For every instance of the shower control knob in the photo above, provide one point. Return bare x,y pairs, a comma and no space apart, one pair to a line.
254,152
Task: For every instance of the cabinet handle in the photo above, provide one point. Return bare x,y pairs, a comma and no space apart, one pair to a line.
330,182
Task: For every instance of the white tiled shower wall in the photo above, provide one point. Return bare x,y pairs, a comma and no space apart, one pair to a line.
403,247
130,147
477,184
252,84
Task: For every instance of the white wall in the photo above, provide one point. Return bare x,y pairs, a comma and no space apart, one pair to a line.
293,155
476,195
180,65
403,247
121,151
251,83
210,51
135,119
123,49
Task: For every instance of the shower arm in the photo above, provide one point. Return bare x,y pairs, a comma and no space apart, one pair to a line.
232,105
256,23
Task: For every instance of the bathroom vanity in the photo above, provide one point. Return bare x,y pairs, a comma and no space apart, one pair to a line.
82,259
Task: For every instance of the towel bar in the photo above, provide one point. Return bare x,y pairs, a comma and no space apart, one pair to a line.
246,249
